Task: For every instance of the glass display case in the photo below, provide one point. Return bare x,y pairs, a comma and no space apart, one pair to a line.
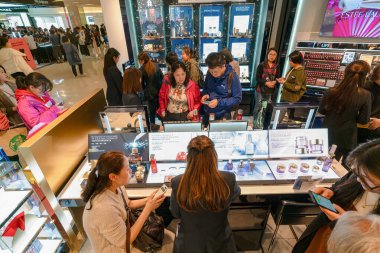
24,223
255,157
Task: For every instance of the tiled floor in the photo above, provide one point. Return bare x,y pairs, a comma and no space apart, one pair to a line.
72,89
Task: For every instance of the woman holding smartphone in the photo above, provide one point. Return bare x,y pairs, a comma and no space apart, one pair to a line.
358,191
105,215
200,199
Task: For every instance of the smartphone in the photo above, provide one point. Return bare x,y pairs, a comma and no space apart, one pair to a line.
207,102
322,201
161,191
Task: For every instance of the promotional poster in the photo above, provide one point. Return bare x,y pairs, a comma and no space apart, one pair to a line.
352,18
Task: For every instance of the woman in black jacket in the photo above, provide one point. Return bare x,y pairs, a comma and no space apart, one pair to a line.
358,191
345,105
200,199
267,73
373,130
113,78
151,81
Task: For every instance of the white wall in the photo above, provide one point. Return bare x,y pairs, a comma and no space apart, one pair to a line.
49,12
312,16
115,29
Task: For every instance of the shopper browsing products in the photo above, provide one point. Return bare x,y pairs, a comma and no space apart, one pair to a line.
151,82
104,217
373,130
113,78
230,60
72,56
200,199
180,99
345,105
132,89
294,84
192,66
8,102
222,91
358,191
34,104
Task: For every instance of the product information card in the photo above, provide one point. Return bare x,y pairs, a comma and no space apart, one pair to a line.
298,143
170,146
240,145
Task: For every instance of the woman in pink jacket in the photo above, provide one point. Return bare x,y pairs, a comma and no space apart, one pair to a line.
179,96
34,104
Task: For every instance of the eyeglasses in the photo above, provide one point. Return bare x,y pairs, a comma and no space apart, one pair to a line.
364,181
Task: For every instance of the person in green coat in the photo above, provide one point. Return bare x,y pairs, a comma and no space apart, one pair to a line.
294,84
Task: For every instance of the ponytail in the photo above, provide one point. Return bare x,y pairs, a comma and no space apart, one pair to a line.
98,180
34,79
148,66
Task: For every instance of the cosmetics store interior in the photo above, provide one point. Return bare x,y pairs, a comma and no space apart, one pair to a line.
278,155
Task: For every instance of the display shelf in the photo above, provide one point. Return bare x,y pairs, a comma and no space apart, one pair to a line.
153,38
175,38
50,246
155,51
10,202
242,37
211,37
33,227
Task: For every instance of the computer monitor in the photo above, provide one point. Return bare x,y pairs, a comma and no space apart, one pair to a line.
125,118
228,125
182,127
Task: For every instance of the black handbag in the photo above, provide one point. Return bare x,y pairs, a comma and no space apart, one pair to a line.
151,235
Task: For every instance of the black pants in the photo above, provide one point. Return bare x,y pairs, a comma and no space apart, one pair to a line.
16,74
153,106
74,69
175,116
57,53
84,50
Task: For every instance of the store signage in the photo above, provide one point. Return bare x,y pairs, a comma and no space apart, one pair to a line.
209,1
22,46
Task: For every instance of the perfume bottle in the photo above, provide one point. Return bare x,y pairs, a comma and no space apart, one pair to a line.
153,163
229,165
329,159
134,157
249,145
240,171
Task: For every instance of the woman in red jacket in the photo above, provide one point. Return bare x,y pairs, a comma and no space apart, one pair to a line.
180,98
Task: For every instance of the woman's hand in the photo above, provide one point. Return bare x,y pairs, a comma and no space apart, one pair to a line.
204,98
213,103
281,80
190,115
163,114
152,203
270,84
331,215
324,192
374,124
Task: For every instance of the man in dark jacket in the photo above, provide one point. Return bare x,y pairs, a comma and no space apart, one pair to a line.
222,91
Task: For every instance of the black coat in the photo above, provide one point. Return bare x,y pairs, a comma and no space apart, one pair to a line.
132,99
114,81
204,232
342,126
151,84
346,191
261,82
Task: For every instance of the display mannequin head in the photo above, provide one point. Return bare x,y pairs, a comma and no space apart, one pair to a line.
35,83
179,75
111,171
216,64
202,187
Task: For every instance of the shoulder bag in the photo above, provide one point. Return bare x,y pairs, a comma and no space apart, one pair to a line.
151,235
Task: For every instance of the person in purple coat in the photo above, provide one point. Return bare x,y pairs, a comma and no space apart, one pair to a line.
34,103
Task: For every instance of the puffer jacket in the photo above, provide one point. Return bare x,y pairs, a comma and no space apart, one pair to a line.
34,110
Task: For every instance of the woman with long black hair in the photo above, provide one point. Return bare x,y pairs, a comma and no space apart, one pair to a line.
358,191
345,105
114,79
151,81
105,215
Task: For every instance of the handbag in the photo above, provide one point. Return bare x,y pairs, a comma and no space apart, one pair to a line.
151,235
